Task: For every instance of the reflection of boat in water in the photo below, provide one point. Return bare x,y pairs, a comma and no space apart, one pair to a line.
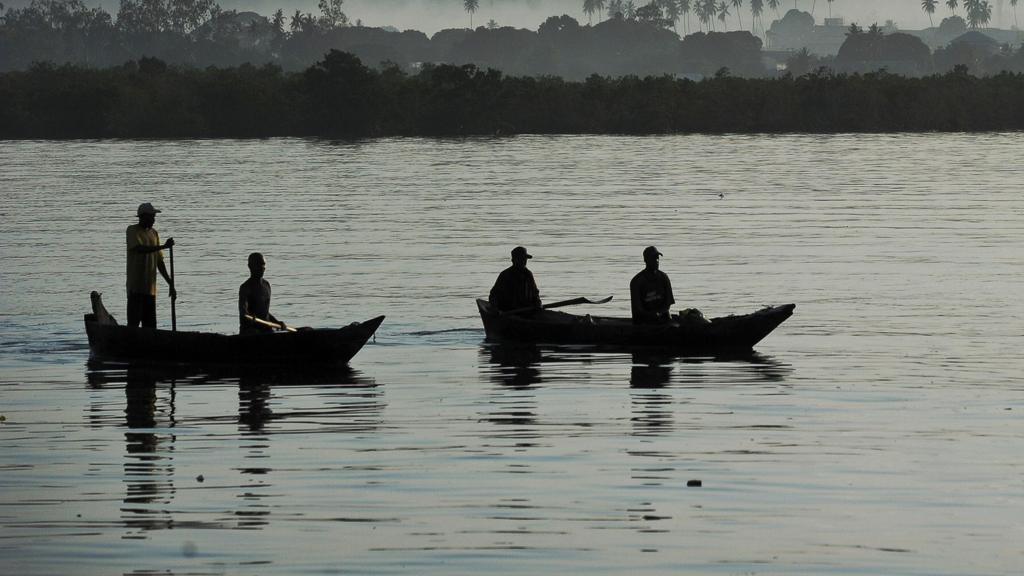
650,370
272,401
718,335
101,373
514,366
523,365
108,339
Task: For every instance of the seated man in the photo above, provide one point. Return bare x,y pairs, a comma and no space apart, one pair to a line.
254,299
515,288
650,291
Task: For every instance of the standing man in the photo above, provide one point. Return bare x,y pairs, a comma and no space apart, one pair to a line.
515,287
144,259
650,291
254,299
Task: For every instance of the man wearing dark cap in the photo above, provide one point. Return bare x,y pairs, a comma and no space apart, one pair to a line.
515,287
144,260
254,299
650,291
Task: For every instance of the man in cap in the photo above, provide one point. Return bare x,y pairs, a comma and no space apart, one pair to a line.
144,260
515,287
650,291
254,299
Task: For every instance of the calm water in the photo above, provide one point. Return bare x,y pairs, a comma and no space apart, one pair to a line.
878,431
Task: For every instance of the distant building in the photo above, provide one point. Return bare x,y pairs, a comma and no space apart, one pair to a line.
797,30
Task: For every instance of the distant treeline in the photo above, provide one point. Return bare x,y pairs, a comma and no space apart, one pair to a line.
200,33
641,42
341,97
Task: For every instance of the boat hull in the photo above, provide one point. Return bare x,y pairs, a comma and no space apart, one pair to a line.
111,341
726,334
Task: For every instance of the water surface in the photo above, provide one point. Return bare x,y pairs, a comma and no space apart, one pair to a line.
878,431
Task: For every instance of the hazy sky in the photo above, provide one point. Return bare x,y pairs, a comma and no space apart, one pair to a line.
432,15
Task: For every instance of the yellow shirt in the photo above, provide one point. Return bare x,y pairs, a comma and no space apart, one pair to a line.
142,267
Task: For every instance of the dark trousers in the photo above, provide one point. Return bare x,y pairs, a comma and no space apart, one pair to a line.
141,309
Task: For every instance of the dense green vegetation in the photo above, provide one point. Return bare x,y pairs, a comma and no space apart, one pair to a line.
341,97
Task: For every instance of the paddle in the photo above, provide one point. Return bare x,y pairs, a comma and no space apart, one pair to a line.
570,302
270,324
174,315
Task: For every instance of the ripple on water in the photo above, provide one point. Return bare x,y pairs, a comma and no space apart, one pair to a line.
870,433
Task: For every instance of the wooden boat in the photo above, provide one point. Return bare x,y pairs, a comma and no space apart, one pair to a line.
681,335
109,340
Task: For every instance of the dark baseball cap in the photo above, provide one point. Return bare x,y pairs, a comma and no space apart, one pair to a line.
651,252
520,251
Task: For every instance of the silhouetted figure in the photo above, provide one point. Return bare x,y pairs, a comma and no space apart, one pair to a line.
144,260
254,299
515,287
650,291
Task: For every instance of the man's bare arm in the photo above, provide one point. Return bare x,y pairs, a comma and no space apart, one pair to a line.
142,249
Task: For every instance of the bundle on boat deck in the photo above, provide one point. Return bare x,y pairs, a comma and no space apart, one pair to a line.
683,334
110,340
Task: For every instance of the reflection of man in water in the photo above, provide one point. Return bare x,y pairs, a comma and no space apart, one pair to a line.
515,287
254,299
650,291
144,260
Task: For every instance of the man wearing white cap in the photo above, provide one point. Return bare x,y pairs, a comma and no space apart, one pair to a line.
650,291
144,260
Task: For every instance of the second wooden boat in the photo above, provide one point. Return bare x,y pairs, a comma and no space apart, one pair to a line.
681,335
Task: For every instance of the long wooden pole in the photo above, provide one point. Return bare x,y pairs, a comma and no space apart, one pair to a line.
174,314
269,324
571,302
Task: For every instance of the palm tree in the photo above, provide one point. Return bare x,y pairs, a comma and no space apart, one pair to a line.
774,5
671,8
723,13
929,7
684,7
711,7
738,5
629,11
973,14
614,8
979,13
1014,4
592,6
706,13
952,5
756,8
471,6
830,7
